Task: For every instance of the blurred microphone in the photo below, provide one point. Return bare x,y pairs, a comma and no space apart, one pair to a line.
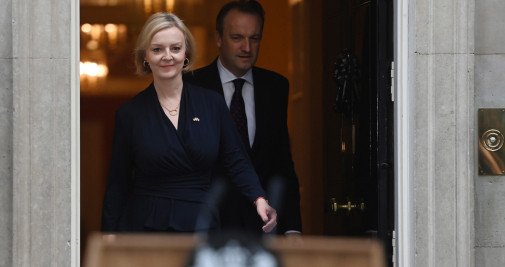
214,197
276,188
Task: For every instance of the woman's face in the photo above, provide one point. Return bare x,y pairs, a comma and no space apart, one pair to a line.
166,53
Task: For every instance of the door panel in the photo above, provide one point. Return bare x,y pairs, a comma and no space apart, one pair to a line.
358,183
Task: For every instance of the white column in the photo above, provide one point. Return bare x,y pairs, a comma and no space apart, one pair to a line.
42,133
442,134
5,133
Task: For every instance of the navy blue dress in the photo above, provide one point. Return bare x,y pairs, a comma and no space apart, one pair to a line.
159,176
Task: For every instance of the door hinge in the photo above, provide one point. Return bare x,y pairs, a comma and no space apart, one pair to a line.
393,240
392,81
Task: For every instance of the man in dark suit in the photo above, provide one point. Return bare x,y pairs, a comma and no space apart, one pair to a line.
260,113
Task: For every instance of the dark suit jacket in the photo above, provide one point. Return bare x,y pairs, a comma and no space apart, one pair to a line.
270,152
172,167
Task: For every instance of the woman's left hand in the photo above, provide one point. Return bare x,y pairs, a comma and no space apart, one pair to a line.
267,214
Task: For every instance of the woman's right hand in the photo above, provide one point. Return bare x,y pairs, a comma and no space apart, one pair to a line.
267,214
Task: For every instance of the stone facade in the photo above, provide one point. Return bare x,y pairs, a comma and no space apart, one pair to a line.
443,166
36,133
489,93
6,85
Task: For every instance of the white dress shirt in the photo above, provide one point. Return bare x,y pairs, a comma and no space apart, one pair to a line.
247,93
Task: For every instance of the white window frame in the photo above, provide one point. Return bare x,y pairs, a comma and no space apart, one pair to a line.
403,195
75,230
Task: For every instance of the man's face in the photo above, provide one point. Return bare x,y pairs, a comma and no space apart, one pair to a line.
240,42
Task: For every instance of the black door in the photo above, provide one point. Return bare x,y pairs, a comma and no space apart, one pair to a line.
359,177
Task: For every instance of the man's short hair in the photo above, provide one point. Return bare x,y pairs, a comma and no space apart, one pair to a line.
245,6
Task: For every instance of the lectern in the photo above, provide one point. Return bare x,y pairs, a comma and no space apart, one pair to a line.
180,250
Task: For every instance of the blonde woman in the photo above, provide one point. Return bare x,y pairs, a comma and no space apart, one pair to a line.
167,141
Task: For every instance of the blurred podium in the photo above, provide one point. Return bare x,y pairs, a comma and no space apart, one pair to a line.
181,250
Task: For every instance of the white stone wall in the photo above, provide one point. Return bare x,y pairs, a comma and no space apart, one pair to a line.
443,132
5,133
36,91
489,93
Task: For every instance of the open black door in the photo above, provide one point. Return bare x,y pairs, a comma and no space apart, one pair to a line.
358,49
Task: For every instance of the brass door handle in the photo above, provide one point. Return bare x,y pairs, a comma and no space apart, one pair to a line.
335,207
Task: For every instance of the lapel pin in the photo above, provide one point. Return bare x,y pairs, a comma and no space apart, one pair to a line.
196,119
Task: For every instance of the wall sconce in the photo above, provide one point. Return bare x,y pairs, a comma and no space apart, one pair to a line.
98,42
92,69
107,36
92,73
153,6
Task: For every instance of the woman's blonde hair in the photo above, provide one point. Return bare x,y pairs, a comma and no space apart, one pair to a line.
154,24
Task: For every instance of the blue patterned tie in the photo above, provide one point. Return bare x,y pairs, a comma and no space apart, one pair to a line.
237,109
